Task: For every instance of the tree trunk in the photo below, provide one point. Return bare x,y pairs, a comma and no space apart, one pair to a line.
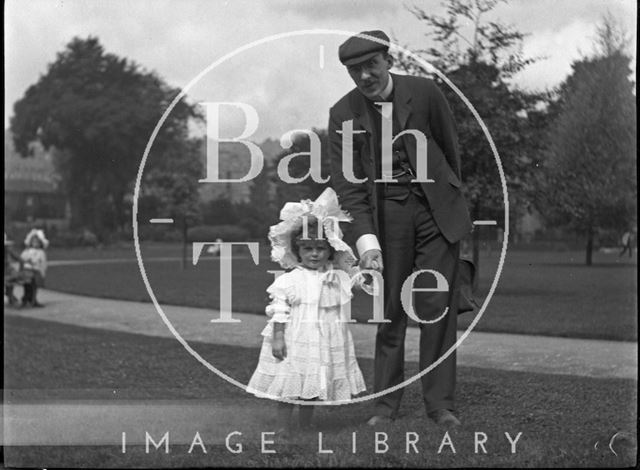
98,219
82,212
119,211
589,245
184,243
75,204
476,247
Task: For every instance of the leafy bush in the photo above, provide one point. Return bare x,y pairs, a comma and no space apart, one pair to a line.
209,233
220,209
158,233
172,236
73,238
256,228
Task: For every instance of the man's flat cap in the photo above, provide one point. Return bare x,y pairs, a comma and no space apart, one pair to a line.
357,49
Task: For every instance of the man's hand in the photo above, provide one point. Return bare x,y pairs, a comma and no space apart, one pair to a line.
278,346
372,259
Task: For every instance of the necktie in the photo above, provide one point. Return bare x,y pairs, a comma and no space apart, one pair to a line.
378,107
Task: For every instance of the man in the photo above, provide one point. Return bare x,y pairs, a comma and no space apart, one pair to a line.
402,226
626,244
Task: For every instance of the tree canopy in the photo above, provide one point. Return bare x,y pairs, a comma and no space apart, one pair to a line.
97,110
480,56
300,166
589,180
170,188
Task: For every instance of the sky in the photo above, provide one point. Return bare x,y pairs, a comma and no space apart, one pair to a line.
291,80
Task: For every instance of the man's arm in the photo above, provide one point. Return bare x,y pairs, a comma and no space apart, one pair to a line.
354,197
443,127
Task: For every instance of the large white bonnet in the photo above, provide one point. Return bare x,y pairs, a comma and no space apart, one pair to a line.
39,234
328,213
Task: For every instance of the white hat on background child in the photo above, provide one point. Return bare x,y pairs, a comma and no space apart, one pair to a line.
39,234
326,210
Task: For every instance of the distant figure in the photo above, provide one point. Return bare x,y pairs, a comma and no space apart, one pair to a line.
34,261
215,249
626,244
11,271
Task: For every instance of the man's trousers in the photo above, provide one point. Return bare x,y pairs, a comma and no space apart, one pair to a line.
411,241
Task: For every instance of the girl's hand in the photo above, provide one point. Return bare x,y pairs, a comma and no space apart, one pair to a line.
278,347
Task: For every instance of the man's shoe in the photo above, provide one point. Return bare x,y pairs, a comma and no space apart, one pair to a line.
378,420
444,418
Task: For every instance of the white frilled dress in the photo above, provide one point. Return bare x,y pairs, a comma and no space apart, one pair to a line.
320,360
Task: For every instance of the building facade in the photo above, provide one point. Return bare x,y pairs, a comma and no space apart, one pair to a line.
32,194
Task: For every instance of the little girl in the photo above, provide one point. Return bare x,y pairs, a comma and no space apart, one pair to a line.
307,351
34,262
11,271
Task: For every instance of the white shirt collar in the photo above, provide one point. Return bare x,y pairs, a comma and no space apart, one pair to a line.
388,89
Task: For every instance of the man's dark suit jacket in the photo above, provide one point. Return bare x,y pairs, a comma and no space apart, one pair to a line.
418,104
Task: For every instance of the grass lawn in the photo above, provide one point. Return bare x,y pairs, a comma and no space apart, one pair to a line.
547,293
561,417
119,250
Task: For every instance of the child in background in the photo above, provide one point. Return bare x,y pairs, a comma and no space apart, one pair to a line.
307,351
11,271
34,261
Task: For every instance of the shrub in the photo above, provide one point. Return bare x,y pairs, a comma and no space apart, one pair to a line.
256,228
172,236
209,233
73,238
158,233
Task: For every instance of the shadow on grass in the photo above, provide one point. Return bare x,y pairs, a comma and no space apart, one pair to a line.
550,293
561,418
576,265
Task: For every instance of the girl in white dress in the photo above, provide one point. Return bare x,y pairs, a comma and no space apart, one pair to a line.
34,266
307,351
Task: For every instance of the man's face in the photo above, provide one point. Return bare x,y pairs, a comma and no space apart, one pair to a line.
372,75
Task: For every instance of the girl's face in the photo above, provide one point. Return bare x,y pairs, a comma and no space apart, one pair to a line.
314,254
35,242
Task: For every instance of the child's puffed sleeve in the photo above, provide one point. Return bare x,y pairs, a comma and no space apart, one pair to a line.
27,257
282,294
35,259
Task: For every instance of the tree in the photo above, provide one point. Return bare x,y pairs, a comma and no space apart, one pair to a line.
262,211
480,57
98,110
299,166
171,188
590,172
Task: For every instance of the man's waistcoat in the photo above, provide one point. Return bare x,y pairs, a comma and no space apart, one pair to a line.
420,105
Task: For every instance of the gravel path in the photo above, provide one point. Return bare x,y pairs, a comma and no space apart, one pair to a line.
551,355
